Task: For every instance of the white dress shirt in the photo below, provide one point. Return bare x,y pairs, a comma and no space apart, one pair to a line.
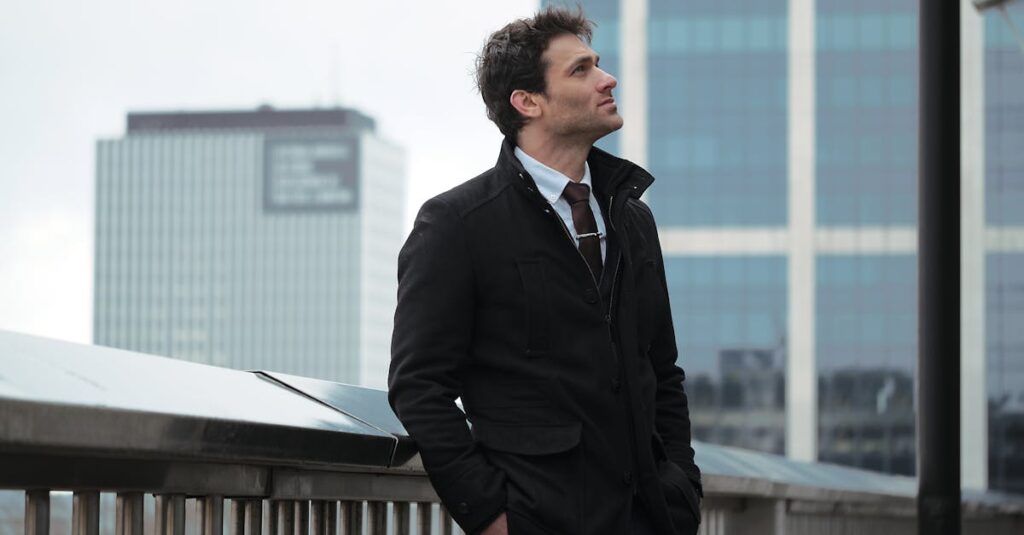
551,184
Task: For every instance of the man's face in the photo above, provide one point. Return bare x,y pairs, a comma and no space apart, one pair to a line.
578,102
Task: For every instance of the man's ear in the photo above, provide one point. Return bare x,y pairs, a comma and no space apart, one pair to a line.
525,103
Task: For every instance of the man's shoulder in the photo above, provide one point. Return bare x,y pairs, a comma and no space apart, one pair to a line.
473,194
641,211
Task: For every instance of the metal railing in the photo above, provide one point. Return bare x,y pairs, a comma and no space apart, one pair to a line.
101,440
180,513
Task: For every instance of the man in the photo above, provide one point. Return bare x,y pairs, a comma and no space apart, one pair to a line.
545,309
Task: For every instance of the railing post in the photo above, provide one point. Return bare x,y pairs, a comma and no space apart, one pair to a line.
85,515
285,517
446,521
317,508
377,512
37,512
238,517
400,518
211,515
424,519
323,517
170,514
253,517
352,517
301,517
332,517
271,517
129,519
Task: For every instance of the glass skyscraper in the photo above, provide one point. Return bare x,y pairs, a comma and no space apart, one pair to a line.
261,239
783,138
1003,112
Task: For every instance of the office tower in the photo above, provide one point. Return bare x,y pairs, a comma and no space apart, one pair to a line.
262,239
783,138
999,313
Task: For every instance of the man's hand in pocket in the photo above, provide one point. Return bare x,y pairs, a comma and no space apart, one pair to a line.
498,527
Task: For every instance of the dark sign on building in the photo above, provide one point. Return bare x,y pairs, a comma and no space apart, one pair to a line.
311,174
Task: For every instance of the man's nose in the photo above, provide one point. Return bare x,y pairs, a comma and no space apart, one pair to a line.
608,82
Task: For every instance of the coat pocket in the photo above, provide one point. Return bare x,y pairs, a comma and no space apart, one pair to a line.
531,273
528,439
544,469
676,480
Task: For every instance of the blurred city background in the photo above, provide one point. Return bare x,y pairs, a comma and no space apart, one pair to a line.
229,183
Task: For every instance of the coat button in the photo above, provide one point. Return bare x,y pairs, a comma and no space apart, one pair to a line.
463,508
590,295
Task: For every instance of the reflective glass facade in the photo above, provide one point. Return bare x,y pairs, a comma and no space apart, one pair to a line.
1004,340
866,78
718,76
730,322
866,356
1004,272
717,122
1004,121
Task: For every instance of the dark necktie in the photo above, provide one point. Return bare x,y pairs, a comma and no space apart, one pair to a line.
587,237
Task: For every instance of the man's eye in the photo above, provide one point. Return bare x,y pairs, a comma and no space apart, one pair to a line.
579,68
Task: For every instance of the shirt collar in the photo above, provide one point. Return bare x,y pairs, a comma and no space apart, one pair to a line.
549,182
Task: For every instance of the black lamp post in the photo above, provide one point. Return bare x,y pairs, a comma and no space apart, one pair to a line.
938,431
938,388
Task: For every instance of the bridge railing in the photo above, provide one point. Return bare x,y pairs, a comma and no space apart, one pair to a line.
95,439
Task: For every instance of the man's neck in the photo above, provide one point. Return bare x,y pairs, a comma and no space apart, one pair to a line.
563,156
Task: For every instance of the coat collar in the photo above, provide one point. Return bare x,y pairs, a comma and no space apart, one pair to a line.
611,175
550,182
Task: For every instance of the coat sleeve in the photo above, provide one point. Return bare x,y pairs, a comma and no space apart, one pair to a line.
430,346
672,412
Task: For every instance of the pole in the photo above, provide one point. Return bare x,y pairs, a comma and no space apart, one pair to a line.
938,387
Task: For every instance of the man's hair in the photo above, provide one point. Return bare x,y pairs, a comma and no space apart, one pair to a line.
512,59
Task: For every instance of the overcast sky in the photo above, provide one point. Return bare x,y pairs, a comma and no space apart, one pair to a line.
70,71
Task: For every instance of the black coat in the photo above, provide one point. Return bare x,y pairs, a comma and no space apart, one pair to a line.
571,386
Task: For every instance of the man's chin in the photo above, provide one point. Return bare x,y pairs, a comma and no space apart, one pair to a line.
613,124
598,129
